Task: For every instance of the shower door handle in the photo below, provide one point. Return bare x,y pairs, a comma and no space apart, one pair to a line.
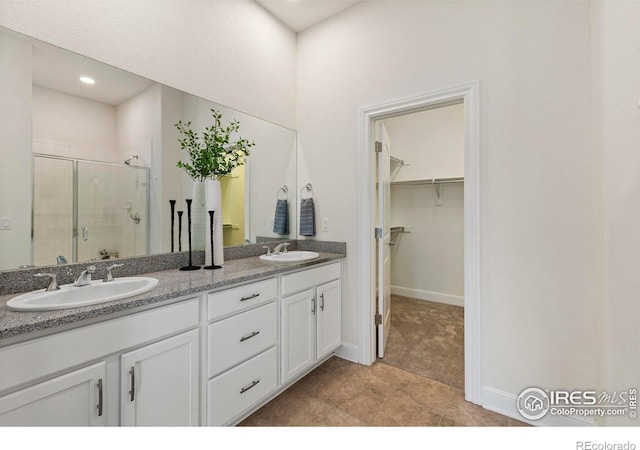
85,233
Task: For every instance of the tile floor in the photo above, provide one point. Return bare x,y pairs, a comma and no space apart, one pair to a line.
341,393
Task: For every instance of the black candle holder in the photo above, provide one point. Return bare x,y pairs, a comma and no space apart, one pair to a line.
173,208
180,230
213,264
190,266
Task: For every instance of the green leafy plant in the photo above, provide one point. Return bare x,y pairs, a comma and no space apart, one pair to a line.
211,152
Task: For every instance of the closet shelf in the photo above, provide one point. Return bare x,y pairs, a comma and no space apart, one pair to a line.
429,181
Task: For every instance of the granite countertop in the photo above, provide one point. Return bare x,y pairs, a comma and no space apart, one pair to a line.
172,284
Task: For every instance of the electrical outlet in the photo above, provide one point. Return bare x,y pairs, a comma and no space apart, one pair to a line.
325,224
6,223
270,223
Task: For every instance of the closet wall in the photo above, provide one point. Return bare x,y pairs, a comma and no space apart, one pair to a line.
428,258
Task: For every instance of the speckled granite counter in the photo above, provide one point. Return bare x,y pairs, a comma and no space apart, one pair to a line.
172,284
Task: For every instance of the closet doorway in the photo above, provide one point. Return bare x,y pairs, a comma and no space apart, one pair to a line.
422,247
420,251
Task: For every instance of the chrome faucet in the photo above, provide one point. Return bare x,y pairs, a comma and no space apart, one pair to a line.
281,248
84,279
108,276
268,250
53,281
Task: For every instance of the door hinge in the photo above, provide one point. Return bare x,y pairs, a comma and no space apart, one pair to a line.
378,233
378,319
378,147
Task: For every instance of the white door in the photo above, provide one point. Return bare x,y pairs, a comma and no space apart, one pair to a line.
384,237
160,383
73,399
298,333
329,324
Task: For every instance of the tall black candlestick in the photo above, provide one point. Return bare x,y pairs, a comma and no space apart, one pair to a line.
180,231
190,266
213,264
173,208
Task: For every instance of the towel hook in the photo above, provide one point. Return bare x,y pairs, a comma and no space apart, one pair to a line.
307,187
285,190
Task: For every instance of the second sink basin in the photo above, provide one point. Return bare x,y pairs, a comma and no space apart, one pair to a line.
292,256
70,296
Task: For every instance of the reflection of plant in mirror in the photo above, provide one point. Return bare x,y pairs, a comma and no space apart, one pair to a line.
211,153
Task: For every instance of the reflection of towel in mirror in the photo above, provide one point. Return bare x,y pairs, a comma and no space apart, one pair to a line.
281,220
307,217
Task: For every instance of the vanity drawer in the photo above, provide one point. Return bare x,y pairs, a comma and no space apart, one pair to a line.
242,336
238,299
305,279
240,388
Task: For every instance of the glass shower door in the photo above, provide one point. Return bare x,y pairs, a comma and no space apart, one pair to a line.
112,211
52,210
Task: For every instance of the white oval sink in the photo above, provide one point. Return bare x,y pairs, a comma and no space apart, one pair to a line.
70,296
292,256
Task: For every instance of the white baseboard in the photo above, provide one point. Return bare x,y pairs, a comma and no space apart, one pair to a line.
505,403
349,352
440,297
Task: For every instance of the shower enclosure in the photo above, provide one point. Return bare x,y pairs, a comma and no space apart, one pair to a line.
88,210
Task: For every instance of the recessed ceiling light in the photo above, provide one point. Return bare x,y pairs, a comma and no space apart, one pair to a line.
87,80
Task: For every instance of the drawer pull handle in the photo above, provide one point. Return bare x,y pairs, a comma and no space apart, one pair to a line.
321,302
132,392
244,299
313,308
249,336
100,397
246,388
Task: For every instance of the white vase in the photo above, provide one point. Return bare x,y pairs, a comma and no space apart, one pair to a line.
198,212
213,196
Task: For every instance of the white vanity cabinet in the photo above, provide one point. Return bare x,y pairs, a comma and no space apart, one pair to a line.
73,399
242,349
310,317
64,378
159,383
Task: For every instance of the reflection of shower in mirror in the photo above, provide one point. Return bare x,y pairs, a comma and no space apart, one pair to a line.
128,160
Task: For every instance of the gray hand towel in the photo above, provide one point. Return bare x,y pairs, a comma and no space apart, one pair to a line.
281,220
307,217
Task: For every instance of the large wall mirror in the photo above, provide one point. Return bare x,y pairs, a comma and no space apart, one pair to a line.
88,169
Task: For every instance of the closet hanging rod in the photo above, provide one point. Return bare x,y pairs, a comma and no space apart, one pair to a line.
429,181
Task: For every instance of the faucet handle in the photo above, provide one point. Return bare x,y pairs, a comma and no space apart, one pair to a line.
91,269
284,246
108,276
53,282
268,249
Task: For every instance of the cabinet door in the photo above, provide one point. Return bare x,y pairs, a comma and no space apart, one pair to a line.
74,399
298,333
159,383
329,323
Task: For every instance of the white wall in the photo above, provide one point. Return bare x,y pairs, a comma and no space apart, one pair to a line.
431,143
15,151
540,232
73,127
428,262
231,52
619,48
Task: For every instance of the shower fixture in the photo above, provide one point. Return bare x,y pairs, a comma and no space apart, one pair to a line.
128,160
